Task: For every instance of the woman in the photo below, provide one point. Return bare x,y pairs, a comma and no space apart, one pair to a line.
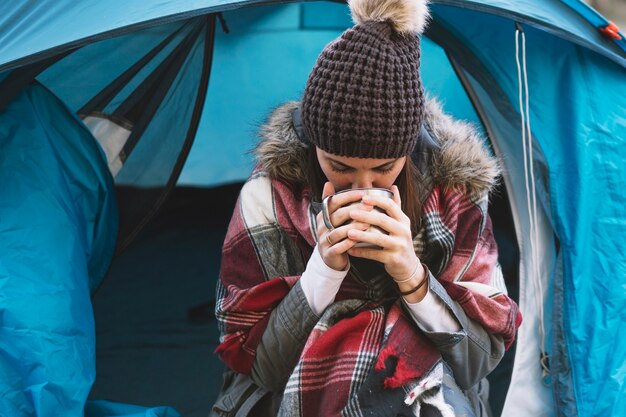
314,323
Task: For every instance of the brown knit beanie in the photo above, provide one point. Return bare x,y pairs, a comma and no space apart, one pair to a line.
364,97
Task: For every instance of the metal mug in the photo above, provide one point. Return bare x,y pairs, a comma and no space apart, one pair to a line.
366,191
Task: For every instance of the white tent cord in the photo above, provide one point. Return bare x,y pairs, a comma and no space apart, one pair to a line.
532,210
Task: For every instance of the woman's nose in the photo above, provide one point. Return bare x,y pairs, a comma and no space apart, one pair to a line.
362,181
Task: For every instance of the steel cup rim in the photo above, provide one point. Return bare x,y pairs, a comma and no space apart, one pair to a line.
384,190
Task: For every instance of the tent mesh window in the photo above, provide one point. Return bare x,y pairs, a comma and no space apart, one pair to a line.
143,105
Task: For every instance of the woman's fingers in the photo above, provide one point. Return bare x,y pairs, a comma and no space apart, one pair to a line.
396,195
395,248
336,201
376,218
390,206
376,240
369,253
339,234
388,250
341,247
334,245
342,214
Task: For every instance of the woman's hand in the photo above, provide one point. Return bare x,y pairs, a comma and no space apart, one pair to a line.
334,244
396,248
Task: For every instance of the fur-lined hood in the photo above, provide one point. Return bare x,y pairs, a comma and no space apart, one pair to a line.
461,161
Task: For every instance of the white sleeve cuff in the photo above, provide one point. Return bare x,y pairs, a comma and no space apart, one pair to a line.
320,283
433,315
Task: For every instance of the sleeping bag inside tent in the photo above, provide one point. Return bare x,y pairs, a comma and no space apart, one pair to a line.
125,131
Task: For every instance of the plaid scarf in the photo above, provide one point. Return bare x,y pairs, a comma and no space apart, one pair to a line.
364,351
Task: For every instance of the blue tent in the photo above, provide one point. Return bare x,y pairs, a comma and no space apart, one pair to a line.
101,101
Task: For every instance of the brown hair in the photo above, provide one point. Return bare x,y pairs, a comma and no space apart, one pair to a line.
409,182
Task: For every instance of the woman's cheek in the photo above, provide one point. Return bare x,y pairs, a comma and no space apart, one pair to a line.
339,182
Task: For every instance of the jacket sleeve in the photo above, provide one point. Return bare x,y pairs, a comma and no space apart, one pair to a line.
472,352
287,330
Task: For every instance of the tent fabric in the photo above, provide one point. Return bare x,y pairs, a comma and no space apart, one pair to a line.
150,93
587,179
58,227
552,16
578,118
33,31
58,223
596,19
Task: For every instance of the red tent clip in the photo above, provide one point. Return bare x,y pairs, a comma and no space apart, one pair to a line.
611,31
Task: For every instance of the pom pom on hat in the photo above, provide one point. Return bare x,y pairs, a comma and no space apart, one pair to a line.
406,16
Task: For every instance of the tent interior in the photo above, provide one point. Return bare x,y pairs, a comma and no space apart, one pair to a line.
154,311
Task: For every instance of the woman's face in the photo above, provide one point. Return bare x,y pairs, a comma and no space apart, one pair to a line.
349,172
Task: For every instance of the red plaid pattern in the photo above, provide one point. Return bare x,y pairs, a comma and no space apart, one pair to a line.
358,332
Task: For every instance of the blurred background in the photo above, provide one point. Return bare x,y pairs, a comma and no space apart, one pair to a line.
614,10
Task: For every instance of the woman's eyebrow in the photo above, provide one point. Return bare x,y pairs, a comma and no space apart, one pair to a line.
350,167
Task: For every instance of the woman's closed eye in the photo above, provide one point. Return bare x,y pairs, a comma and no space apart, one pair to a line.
340,168
343,169
384,169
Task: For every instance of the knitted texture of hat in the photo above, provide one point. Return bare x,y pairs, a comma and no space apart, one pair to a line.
364,97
